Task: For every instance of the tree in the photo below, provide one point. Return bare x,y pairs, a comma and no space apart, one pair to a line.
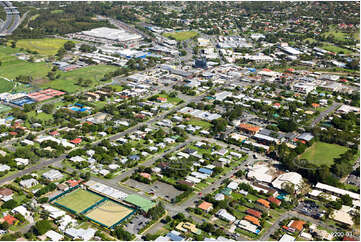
9,204
346,200
69,45
48,108
219,125
42,226
122,234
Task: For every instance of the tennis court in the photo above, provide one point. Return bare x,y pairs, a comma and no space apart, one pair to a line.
109,213
78,200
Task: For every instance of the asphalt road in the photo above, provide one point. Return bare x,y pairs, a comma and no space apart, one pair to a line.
323,114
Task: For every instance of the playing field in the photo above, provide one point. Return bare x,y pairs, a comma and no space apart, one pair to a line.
109,213
12,67
5,85
46,46
321,153
67,81
79,200
180,36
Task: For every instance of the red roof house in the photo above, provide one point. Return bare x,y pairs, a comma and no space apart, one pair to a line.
76,141
254,213
274,201
54,133
10,219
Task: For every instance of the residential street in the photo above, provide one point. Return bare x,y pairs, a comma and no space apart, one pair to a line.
323,114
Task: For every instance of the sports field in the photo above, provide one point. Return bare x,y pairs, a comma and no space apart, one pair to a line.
180,36
46,46
5,85
68,79
109,213
79,200
12,67
321,153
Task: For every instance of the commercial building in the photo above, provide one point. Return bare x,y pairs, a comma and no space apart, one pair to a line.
118,35
303,88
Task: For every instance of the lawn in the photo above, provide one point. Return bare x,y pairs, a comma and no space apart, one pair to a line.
201,123
173,100
180,36
47,46
5,85
68,79
79,200
42,116
321,153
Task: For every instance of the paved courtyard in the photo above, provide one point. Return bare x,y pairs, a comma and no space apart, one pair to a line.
160,189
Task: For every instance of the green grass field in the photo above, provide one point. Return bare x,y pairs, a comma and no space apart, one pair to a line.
68,79
334,48
321,153
5,86
12,67
79,200
45,46
338,35
180,36
57,11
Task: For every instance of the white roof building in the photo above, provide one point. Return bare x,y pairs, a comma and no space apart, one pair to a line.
290,177
246,225
29,183
112,34
54,236
223,214
54,212
4,168
82,234
22,210
337,191
260,172
233,185
53,175
287,238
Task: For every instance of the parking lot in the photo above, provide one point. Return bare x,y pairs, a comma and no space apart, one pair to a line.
159,189
310,208
136,224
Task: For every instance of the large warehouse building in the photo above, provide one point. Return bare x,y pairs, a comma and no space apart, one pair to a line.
112,34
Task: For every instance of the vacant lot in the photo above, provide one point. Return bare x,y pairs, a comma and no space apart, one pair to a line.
79,200
45,46
109,213
321,153
180,36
